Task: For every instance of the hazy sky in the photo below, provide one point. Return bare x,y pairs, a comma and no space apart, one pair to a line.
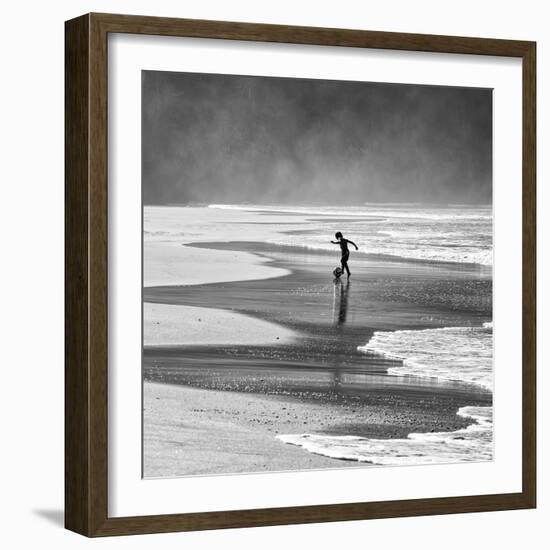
234,139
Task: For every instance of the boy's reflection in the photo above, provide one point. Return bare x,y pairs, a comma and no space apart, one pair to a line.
340,305
339,312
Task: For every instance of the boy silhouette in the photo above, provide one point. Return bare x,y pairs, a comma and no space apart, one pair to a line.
345,251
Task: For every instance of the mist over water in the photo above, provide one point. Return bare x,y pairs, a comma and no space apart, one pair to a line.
234,139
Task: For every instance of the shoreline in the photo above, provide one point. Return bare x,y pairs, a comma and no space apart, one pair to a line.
244,382
193,431
321,368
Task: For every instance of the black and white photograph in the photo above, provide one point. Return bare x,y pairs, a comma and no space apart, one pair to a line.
274,275
317,274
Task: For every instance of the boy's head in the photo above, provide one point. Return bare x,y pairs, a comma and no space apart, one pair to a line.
338,235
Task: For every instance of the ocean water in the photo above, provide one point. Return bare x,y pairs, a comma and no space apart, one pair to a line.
463,354
455,233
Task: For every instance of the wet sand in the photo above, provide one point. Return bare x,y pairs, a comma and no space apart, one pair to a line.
333,388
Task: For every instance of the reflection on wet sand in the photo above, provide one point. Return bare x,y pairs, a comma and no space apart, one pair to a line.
339,315
340,303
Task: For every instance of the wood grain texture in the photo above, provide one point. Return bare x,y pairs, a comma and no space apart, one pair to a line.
77,387
86,257
98,283
164,26
529,274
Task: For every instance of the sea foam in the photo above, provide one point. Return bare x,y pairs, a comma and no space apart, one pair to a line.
471,444
463,354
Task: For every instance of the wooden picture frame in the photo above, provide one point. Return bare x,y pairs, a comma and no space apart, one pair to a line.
86,282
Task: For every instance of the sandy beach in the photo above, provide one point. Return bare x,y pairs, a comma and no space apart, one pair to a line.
166,325
192,431
230,363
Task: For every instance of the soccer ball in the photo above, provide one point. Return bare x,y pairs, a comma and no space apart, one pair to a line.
337,272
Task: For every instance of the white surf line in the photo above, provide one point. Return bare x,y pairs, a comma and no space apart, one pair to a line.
471,444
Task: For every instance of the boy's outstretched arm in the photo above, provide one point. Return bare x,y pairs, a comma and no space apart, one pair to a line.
351,242
334,242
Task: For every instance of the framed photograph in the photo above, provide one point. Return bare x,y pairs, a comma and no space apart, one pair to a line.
300,275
